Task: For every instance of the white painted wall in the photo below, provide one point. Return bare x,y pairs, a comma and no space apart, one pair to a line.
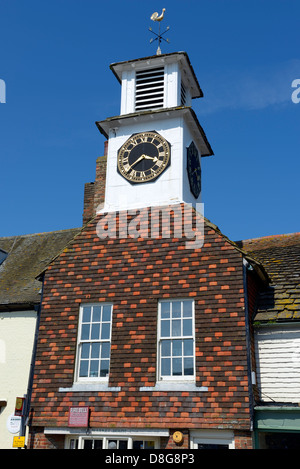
278,363
170,187
16,343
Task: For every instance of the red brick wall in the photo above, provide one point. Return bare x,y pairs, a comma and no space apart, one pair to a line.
88,202
134,274
243,440
94,192
38,440
169,443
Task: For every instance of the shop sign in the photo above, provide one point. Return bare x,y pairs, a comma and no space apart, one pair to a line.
78,416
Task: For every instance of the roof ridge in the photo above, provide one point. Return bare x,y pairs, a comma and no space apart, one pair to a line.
38,234
269,237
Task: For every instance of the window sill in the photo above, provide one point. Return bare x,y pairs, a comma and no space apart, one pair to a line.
174,386
85,387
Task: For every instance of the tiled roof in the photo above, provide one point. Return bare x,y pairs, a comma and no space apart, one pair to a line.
280,256
27,257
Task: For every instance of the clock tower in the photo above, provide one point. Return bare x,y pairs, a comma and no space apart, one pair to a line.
156,144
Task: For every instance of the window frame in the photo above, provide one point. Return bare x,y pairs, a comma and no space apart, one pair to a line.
89,379
175,378
78,440
212,437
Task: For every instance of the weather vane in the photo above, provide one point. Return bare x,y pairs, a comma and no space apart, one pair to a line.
159,37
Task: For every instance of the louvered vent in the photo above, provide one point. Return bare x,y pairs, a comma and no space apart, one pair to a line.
149,92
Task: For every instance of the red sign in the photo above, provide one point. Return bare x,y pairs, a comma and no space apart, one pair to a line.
78,416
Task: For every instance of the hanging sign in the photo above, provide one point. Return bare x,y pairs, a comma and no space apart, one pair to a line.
78,416
19,408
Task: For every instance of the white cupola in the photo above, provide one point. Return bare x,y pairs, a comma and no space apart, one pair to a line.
161,81
156,101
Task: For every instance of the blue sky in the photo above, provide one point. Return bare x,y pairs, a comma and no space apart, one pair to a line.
55,59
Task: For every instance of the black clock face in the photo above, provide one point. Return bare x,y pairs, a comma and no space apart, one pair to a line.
194,170
143,157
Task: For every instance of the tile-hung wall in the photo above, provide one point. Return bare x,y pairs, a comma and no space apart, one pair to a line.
147,333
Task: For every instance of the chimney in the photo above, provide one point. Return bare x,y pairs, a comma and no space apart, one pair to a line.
94,192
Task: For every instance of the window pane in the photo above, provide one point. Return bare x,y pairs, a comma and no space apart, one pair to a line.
105,349
165,328
188,366
85,350
95,350
84,367
176,309
166,348
177,348
105,332
188,347
85,332
123,444
165,310
95,331
137,444
112,444
86,316
149,445
177,366
87,444
106,313
94,368
165,366
176,328
97,444
96,313
104,368
187,327
187,309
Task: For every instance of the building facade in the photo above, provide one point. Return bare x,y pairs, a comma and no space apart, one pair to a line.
145,337
148,335
147,328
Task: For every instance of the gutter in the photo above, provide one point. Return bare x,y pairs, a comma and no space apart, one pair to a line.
246,266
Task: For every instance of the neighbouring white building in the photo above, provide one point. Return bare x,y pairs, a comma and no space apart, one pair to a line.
21,258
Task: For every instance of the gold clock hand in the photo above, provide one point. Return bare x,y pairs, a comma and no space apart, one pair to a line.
146,157
154,158
135,162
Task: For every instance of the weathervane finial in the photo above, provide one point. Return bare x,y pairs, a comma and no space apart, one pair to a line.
158,18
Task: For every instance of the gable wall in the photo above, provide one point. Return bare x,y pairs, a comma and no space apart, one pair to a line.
134,274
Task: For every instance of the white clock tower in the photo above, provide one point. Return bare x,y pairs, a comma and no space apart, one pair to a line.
156,144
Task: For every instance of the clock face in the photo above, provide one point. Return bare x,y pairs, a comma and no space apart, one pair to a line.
143,157
194,170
